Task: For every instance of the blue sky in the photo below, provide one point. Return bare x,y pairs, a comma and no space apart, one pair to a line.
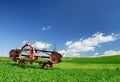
60,22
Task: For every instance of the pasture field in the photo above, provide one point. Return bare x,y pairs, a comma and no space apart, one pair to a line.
101,69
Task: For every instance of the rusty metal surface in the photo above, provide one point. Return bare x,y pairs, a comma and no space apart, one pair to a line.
32,54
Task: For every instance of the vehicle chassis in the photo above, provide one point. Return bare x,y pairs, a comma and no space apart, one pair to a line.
32,56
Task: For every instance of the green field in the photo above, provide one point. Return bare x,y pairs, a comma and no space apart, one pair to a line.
101,69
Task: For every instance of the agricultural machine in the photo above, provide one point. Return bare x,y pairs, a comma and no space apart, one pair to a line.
29,54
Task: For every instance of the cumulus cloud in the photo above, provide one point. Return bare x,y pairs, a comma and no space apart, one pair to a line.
88,44
41,45
68,43
111,52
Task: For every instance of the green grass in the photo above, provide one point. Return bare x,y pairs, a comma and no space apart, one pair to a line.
101,69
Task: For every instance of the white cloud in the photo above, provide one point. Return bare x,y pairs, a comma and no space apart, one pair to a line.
69,53
43,29
46,28
111,52
49,27
68,43
24,41
41,45
96,54
88,44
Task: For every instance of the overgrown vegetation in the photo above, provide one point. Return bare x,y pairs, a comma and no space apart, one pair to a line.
102,69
